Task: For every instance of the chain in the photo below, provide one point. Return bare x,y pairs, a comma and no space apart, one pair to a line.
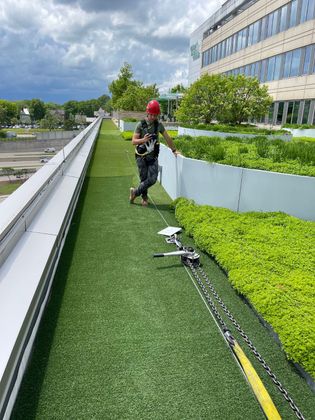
258,356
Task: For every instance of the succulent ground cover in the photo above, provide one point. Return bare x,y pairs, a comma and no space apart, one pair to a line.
270,259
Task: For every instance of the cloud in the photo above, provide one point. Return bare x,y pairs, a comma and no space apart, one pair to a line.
72,49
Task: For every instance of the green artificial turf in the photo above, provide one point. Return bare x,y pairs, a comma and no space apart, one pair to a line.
127,336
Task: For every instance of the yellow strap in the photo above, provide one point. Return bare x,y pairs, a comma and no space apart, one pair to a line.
258,387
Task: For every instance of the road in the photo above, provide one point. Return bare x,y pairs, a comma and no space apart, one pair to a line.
23,160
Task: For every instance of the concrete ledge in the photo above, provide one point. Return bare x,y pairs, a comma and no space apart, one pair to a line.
34,228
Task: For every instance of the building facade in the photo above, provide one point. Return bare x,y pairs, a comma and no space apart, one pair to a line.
271,40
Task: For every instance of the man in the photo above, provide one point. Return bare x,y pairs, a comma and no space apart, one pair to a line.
146,140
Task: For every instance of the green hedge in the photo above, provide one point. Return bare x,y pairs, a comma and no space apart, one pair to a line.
242,128
258,153
130,119
300,126
298,139
270,259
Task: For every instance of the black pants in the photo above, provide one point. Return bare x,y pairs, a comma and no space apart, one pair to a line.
148,172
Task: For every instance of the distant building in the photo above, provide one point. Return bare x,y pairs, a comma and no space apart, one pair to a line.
99,113
25,117
80,119
270,40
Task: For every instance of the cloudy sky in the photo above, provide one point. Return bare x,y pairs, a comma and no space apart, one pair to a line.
58,50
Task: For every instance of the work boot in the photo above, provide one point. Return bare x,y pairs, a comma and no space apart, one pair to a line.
132,195
144,202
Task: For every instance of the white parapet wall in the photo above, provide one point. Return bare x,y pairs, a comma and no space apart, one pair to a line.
127,125
34,222
299,132
238,189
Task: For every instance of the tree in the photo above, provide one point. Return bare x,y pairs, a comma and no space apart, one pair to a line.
178,89
136,97
69,124
37,109
50,121
7,172
14,121
103,101
71,108
203,99
8,110
245,99
119,86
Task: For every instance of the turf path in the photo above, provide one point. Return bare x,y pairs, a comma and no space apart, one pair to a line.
126,336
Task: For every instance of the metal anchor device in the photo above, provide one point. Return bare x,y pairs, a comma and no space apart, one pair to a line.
187,254
190,258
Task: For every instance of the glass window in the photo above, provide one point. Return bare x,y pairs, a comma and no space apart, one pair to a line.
214,53
245,37
270,68
270,113
304,10
293,14
275,25
264,28
223,54
283,18
280,113
219,51
310,10
295,63
272,23
287,64
252,70
257,69
208,57
250,34
295,112
228,46
306,112
290,112
307,60
277,68
233,43
256,30
263,71
239,41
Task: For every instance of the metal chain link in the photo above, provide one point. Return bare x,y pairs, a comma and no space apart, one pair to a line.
258,356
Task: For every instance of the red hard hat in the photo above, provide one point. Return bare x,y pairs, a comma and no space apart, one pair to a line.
153,107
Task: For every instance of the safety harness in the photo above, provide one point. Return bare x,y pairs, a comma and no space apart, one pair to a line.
150,149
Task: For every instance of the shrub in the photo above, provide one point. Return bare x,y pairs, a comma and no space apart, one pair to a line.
239,128
300,126
256,153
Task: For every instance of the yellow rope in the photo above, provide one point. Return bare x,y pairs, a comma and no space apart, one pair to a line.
258,387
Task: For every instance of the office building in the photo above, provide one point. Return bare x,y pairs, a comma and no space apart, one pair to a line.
271,40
